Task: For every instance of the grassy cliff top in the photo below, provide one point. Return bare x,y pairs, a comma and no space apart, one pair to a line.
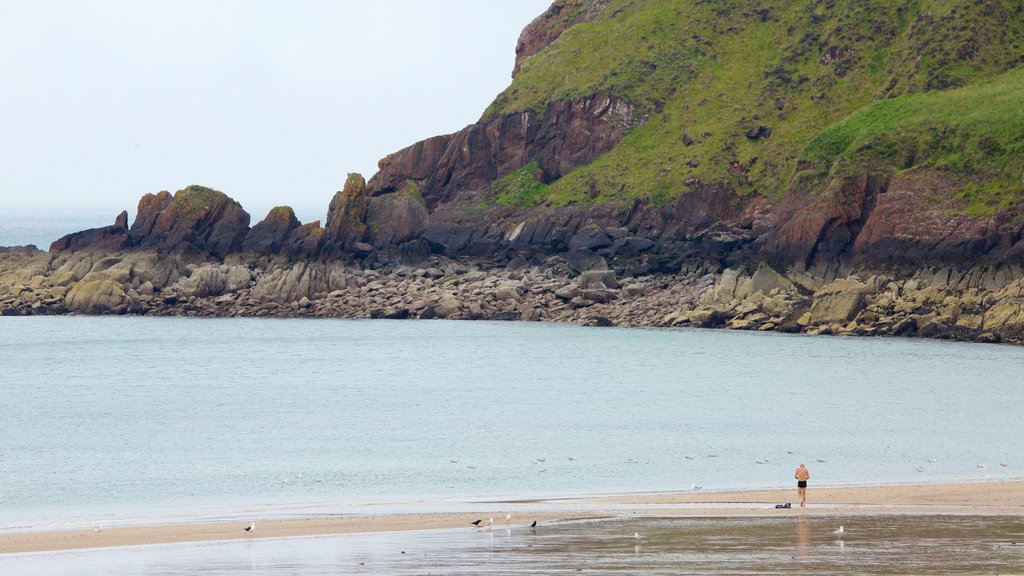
713,75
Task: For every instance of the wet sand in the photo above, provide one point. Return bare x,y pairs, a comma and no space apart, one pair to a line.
1004,499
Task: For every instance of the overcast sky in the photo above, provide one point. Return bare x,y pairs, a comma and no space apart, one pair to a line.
271,102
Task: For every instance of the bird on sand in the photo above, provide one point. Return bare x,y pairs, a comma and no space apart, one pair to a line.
251,528
636,535
534,525
490,521
839,531
508,517
476,522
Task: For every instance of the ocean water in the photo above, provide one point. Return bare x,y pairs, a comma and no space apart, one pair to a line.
140,419
19,228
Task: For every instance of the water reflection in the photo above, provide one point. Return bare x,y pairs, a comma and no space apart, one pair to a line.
877,545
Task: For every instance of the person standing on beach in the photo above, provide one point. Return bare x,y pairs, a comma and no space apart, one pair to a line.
802,476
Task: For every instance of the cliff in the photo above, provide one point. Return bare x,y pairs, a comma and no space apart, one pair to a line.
757,147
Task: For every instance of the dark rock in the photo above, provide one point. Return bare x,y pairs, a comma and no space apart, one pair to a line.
759,133
716,319
589,237
306,241
585,260
271,235
346,216
693,163
106,240
396,218
601,321
194,219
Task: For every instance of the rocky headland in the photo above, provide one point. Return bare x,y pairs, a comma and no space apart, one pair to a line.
689,182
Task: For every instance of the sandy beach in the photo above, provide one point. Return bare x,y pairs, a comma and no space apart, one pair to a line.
1004,498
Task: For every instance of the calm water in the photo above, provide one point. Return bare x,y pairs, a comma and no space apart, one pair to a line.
872,545
108,418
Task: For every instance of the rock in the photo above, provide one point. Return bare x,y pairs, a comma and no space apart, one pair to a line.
346,216
509,291
447,307
765,279
106,240
598,279
290,284
568,292
838,302
585,261
195,218
759,133
99,296
396,218
306,241
270,235
589,237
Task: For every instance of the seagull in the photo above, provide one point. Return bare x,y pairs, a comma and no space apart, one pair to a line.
790,451
490,521
454,460
251,528
839,532
534,525
763,461
476,522
695,487
1004,465
632,460
689,457
712,455
572,458
542,470
508,517
921,468
981,465
822,460
471,466
97,528
636,535
540,459
932,460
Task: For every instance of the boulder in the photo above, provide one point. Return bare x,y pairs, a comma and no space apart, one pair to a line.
193,219
346,215
270,235
396,218
107,239
99,296
306,241
585,260
509,291
838,302
590,237
598,279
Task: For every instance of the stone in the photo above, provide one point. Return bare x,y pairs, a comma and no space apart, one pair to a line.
270,235
99,296
396,218
346,215
838,302
193,219
509,291
106,240
598,279
589,237
448,307
585,260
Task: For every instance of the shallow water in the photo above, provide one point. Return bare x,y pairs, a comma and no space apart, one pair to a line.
871,545
142,418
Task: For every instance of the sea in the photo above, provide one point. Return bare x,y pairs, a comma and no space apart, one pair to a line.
136,420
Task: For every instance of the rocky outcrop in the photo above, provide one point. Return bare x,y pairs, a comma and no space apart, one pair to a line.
272,233
396,218
195,219
569,134
346,215
107,239
546,28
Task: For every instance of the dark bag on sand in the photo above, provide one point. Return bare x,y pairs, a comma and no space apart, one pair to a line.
786,505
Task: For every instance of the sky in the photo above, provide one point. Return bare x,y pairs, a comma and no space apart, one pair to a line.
271,102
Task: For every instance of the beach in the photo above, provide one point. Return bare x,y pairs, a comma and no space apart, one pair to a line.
977,499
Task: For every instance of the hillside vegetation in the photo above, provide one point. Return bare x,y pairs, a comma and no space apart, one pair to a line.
737,92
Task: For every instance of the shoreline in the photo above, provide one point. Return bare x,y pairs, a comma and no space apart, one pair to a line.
998,498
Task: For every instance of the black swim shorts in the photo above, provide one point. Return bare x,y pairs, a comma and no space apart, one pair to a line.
801,483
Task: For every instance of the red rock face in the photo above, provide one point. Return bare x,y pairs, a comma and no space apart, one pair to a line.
570,134
195,219
346,216
270,235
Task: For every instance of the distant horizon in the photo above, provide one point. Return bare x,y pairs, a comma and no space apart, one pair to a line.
271,104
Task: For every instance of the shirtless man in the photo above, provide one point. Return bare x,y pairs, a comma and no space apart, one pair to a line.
802,476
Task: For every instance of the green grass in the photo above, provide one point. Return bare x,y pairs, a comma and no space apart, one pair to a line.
716,67
195,199
520,188
976,131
